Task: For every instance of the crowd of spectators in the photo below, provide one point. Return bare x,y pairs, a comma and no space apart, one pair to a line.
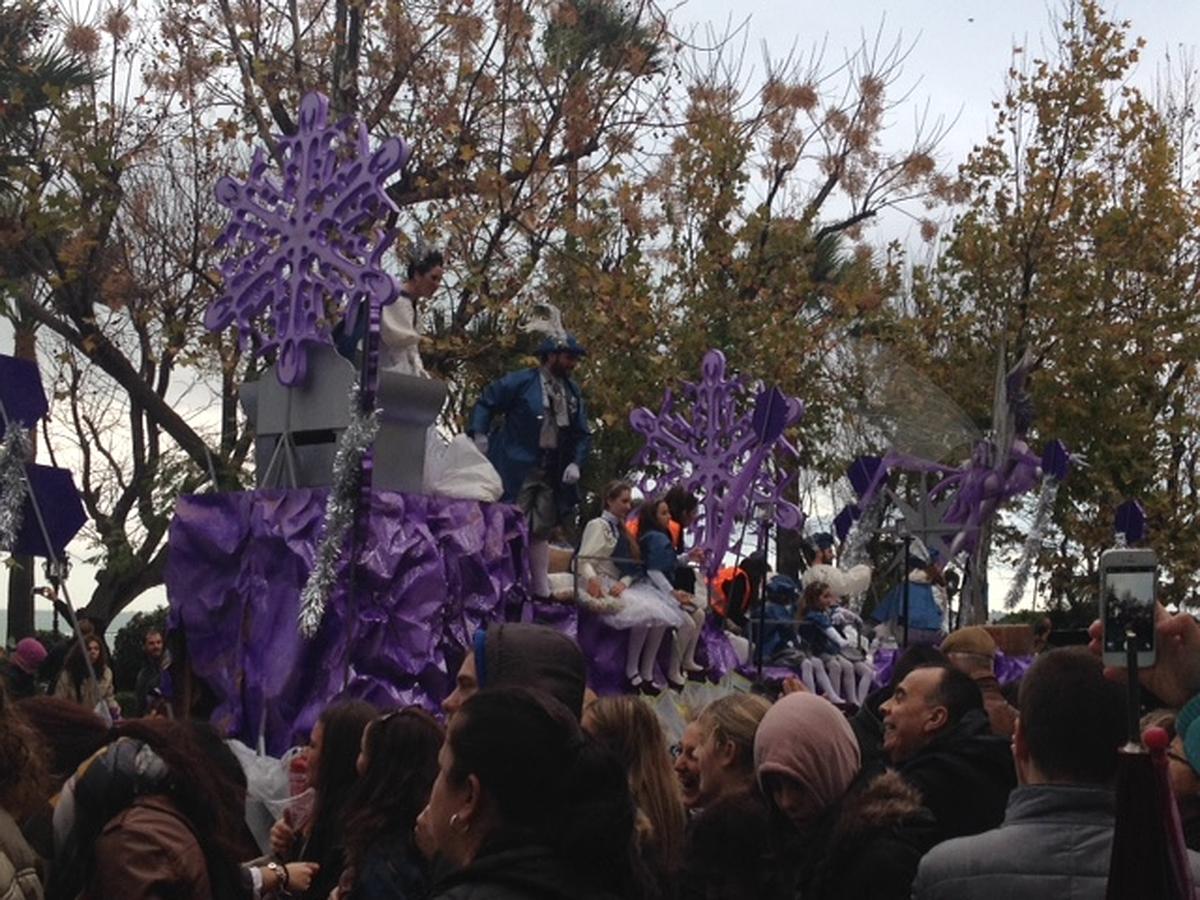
526,786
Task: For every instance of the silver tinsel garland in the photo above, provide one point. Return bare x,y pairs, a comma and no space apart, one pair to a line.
864,529
340,509
1033,542
14,453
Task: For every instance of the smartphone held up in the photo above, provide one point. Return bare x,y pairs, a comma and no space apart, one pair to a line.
1128,583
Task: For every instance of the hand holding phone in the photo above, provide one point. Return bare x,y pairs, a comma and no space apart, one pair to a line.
1128,582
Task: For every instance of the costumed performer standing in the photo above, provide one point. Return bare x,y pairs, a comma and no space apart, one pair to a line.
543,443
926,616
399,337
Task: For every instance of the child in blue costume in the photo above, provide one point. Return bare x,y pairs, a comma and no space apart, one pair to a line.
608,564
830,644
660,562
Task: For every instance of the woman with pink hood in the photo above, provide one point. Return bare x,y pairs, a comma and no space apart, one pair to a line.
842,835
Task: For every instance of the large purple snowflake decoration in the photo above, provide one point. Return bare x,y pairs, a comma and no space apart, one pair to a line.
722,453
308,244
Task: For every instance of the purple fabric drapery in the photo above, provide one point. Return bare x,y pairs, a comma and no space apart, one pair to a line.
432,570
1008,668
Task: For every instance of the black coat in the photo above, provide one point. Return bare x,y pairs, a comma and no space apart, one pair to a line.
964,777
867,725
519,873
868,846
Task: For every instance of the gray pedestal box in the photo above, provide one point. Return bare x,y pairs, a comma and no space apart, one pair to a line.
297,428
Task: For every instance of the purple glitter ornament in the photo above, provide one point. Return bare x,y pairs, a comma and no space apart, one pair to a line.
306,245
721,453
1131,521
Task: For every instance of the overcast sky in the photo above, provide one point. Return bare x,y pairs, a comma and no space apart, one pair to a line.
960,49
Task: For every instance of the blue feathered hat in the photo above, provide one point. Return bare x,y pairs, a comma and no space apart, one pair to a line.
566,344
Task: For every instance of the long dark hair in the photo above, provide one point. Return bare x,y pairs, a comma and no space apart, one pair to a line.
401,749
76,662
648,517
69,733
205,786
23,779
335,776
549,784
681,502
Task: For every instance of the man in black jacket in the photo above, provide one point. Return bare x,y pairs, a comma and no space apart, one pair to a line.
149,678
937,734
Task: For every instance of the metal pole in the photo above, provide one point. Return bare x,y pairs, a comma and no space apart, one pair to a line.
53,557
904,575
762,603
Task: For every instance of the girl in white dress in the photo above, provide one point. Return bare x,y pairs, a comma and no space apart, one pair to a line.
608,583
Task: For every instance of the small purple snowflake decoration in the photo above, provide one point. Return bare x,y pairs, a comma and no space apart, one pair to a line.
722,452
304,246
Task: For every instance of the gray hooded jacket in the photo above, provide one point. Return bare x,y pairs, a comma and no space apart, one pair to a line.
1055,841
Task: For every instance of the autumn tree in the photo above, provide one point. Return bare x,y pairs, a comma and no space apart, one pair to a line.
1078,240
111,230
574,150
36,72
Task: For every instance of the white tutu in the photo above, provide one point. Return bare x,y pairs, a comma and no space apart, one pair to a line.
640,605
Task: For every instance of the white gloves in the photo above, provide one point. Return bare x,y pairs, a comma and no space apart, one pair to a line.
570,474
481,442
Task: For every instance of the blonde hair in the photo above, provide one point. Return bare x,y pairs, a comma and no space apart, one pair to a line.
735,718
630,729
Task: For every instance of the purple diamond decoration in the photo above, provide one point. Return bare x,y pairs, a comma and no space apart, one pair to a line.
1131,521
60,506
21,392
1056,460
844,520
305,242
862,473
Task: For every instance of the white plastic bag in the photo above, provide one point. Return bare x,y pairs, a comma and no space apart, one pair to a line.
459,470
267,791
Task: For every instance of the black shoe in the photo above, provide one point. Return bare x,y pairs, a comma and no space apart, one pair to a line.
676,686
650,689
634,683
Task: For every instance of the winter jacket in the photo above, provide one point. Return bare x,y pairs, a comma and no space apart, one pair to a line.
520,873
390,870
964,777
867,725
90,693
1055,841
18,864
149,678
513,448
148,851
868,847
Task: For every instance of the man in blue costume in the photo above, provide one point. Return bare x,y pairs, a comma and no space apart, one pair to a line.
926,616
542,445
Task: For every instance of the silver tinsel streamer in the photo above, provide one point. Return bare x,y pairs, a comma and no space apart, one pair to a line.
14,453
340,509
1033,542
864,528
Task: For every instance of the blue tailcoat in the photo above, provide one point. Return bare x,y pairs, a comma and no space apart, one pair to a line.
513,446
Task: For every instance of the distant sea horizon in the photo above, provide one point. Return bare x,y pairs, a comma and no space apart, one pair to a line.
43,620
